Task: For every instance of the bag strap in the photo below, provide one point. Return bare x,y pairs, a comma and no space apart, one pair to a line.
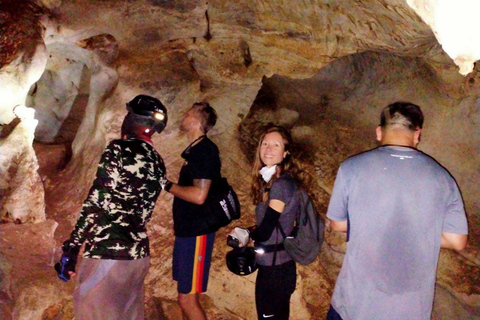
280,228
269,248
275,250
301,201
277,247
297,214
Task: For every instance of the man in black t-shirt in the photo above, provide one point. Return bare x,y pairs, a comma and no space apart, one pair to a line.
193,238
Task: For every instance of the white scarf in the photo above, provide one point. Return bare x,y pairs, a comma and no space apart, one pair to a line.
267,173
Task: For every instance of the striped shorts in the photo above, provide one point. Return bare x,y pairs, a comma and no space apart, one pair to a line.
191,262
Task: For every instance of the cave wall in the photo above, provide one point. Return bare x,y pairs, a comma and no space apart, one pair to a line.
323,69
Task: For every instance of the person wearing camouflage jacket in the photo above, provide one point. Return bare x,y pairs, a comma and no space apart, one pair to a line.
114,216
113,221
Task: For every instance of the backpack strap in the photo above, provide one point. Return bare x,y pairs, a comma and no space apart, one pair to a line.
269,248
277,247
275,250
279,227
297,214
280,246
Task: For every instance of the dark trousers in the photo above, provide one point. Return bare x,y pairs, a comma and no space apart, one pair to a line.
332,314
273,288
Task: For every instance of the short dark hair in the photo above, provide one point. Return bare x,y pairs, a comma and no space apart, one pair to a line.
206,114
402,113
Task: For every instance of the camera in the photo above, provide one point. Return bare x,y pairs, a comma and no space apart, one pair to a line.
232,242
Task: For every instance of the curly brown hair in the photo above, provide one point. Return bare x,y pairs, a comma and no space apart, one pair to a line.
259,188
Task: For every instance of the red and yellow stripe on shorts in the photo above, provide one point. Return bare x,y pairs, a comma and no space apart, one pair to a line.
199,264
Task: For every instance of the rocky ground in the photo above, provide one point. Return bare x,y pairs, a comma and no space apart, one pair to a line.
323,69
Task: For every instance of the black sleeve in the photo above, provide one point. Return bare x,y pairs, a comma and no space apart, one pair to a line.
264,230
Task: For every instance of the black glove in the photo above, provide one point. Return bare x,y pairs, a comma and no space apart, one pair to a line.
67,262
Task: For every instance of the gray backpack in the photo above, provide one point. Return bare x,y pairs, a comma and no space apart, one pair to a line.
304,242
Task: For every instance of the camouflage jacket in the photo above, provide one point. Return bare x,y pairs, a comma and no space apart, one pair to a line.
113,219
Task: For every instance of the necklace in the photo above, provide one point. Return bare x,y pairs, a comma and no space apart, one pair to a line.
187,150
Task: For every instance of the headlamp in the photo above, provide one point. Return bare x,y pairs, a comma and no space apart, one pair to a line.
149,112
159,116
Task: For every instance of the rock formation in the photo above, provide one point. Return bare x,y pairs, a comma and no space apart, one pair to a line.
322,68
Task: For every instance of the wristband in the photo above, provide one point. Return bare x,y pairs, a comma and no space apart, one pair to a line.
168,186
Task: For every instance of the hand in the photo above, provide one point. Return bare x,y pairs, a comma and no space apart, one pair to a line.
66,266
241,235
165,183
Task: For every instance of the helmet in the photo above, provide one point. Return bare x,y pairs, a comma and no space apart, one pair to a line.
148,111
242,261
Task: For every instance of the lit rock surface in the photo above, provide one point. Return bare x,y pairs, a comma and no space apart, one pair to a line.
454,25
322,68
23,198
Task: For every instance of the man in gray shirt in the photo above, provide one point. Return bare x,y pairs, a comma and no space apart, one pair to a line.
398,207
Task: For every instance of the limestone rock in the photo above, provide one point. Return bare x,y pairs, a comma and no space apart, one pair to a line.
454,27
23,198
324,69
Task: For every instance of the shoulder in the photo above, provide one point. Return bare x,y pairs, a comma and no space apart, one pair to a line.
361,157
431,161
361,161
209,146
205,151
283,188
285,181
115,143
123,143
133,148
437,170
114,147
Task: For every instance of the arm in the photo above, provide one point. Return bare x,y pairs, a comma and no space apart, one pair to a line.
281,192
340,226
276,205
337,211
196,194
99,196
203,166
455,227
264,231
453,241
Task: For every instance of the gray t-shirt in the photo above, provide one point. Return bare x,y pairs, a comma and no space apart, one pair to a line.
398,202
283,189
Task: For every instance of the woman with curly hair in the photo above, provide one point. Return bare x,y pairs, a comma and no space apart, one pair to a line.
275,179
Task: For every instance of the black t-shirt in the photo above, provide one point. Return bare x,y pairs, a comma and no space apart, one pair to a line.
202,161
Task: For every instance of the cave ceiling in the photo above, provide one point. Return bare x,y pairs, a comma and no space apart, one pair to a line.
322,68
